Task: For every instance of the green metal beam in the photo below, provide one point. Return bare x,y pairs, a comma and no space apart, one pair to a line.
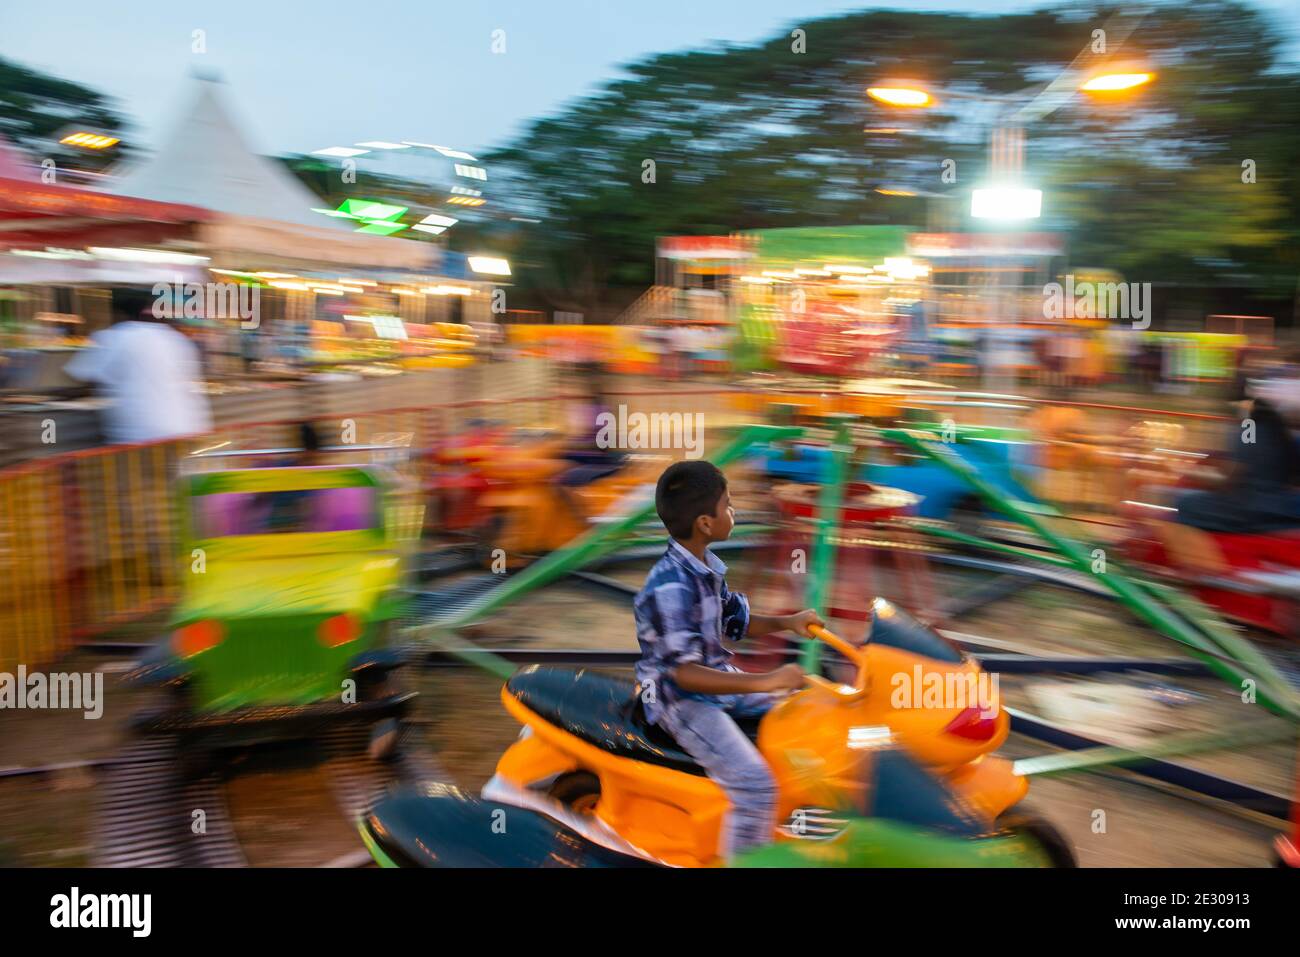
1175,745
1187,622
821,574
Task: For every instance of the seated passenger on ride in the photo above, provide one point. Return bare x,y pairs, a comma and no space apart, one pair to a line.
1258,495
686,680
592,459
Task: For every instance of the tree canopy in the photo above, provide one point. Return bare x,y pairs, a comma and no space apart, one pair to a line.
35,106
780,133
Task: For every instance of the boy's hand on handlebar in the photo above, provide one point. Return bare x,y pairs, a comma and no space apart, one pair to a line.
801,620
785,678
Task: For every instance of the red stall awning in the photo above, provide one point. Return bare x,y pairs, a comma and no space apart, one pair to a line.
36,214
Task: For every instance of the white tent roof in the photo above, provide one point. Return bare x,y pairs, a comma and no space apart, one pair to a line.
206,162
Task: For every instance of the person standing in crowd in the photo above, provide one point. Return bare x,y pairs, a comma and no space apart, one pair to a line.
149,371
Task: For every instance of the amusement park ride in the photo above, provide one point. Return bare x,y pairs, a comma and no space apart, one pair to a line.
862,782
307,588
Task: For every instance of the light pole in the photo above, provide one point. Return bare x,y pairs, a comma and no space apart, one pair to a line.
1005,200
1004,196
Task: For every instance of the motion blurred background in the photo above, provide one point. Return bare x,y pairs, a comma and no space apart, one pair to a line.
1064,237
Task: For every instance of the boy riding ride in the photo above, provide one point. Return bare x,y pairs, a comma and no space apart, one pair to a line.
686,681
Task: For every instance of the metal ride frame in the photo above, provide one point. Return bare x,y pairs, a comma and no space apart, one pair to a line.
1169,612
29,498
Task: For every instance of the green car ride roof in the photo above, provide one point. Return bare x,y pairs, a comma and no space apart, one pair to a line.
281,480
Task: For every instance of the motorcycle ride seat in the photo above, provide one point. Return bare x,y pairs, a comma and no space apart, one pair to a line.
603,710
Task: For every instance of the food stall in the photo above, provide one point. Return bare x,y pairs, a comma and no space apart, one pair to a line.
275,294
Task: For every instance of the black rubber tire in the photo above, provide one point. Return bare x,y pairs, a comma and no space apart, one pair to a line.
575,786
1049,838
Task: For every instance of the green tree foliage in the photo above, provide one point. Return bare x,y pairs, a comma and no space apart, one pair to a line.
763,136
35,107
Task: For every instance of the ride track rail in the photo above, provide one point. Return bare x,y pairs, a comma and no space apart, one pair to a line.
145,812
147,804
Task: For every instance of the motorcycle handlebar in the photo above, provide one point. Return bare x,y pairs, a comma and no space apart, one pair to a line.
854,654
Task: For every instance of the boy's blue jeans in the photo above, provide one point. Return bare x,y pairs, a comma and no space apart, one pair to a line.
703,727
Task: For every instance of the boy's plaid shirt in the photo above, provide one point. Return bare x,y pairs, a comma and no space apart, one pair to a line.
682,614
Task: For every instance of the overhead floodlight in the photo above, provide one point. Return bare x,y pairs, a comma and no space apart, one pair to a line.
421,227
339,151
899,95
129,255
369,209
1115,82
53,252
455,154
1006,202
489,265
471,172
89,140
376,218
383,145
437,219
466,191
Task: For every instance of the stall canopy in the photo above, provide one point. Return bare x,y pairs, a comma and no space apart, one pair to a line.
35,214
261,212
828,244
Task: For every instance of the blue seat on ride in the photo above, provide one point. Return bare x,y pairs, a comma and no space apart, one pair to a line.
603,710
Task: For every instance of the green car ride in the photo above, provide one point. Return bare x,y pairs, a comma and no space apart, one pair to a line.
291,579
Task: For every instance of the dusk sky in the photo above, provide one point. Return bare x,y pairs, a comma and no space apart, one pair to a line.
335,72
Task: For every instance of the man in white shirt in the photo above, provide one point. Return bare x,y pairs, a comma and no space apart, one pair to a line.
149,372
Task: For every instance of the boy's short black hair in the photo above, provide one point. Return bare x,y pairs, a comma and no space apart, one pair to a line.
686,491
